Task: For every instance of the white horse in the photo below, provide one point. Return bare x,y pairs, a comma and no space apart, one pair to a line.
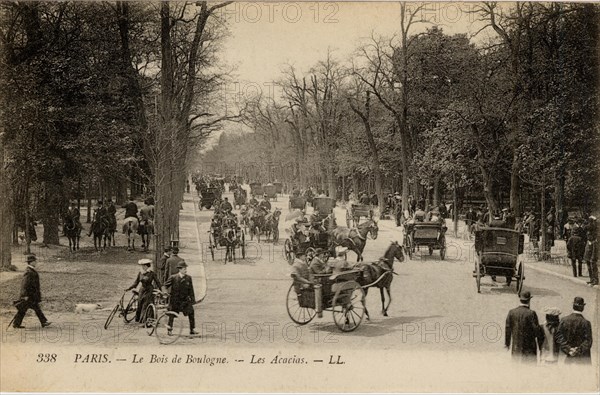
130,228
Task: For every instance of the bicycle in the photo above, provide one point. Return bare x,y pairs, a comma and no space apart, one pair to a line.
169,334
128,312
160,302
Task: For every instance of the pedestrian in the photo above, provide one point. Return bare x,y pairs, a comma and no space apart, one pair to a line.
30,296
523,331
576,250
550,348
148,279
182,298
171,263
575,335
590,255
162,263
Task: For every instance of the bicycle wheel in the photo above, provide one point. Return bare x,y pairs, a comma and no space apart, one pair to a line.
150,319
111,316
129,312
162,328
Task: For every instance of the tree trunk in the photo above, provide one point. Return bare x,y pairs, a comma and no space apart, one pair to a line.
515,187
6,222
436,191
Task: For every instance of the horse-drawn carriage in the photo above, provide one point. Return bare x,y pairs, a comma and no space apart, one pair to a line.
339,293
356,211
208,196
305,240
498,253
226,232
270,190
256,188
428,234
278,188
297,203
239,196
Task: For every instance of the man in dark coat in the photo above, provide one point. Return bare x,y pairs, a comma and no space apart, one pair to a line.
31,295
576,250
131,209
171,264
522,331
101,214
182,298
575,335
162,264
226,206
590,255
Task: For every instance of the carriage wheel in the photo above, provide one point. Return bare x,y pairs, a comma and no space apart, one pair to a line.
478,274
150,322
348,306
520,278
300,315
289,251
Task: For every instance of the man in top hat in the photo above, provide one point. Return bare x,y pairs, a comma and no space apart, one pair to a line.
575,335
182,298
162,263
265,204
30,296
226,207
576,250
172,262
523,331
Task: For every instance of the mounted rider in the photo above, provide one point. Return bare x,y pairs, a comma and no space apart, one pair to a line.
265,204
74,215
253,202
100,216
146,216
226,207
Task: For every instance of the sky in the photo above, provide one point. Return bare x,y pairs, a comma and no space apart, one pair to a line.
265,36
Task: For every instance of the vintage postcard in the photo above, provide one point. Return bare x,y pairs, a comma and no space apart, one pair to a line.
299,197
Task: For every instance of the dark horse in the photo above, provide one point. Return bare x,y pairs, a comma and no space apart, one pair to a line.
112,229
72,230
380,274
354,239
271,225
100,232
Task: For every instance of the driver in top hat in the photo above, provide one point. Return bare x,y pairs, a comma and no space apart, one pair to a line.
265,204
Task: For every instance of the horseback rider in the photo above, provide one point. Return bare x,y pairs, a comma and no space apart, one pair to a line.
100,214
131,209
74,215
253,202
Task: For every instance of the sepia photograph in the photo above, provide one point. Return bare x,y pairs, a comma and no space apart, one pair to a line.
299,197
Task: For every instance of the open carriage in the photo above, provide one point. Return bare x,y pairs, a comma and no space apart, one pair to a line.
226,232
339,293
425,234
356,211
498,253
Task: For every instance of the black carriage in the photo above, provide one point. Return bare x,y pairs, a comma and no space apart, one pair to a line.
297,203
499,253
270,190
324,206
356,211
256,188
425,234
226,232
208,196
278,187
339,293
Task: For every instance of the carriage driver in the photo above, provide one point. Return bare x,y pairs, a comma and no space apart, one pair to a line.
253,202
265,204
226,206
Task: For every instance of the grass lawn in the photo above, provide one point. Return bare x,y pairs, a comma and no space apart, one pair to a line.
83,277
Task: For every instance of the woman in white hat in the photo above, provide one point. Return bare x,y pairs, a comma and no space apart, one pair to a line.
148,279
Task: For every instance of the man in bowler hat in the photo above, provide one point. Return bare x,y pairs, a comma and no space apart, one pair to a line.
523,331
182,295
31,295
171,267
575,335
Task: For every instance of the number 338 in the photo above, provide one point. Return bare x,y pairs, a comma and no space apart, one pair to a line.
46,358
